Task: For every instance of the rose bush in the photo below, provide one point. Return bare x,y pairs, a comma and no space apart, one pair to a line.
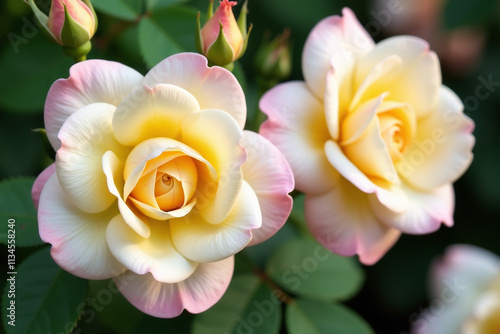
373,137
156,184
465,283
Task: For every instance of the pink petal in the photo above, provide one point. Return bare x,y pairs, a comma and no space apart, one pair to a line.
458,279
441,152
342,221
297,127
89,82
470,268
78,238
40,181
268,173
207,285
425,213
196,294
213,87
334,42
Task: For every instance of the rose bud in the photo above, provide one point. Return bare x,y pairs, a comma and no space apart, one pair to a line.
71,23
223,39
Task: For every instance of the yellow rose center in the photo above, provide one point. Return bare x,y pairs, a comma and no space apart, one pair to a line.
162,177
396,131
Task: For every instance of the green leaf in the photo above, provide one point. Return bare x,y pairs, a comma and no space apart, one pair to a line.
124,9
157,4
47,299
239,73
166,32
466,12
16,204
24,83
305,268
248,306
317,317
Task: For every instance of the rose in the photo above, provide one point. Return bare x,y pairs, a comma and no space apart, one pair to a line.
71,23
465,286
223,39
373,138
155,182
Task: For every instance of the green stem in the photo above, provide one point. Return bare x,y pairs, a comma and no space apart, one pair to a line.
79,59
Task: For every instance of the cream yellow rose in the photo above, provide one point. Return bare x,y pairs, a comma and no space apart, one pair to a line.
373,137
156,184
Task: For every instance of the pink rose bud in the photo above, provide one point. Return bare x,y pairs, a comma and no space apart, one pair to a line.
223,39
70,23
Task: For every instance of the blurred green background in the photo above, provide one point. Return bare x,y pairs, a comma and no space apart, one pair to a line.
465,34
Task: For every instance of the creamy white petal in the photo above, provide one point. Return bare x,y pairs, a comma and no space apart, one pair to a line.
78,238
86,136
201,241
216,136
213,87
89,82
335,42
442,149
113,169
297,127
425,213
155,254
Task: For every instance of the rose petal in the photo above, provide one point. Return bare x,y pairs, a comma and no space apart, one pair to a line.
425,213
378,81
78,238
207,285
268,173
113,167
148,113
441,152
465,269
201,241
334,42
213,87
155,254
216,136
86,136
39,183
341,220
89,82
392,196
297,127
367,150
420,77
457,279
196,294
